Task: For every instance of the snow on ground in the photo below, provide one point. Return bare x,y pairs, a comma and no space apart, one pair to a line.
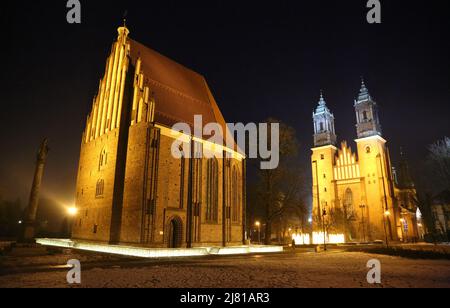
56,259
335,270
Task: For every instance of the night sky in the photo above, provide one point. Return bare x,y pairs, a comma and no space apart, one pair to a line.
261,59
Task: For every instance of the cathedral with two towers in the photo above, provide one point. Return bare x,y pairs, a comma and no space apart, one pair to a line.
360,195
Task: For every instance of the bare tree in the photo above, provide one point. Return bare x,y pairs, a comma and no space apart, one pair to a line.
434,181
280,190
424,202
439,162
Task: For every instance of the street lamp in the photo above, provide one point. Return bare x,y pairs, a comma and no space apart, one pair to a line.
324,229
72,211
258,225
385,216
386,206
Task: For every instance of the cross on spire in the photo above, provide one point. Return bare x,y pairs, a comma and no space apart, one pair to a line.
322,99
364,94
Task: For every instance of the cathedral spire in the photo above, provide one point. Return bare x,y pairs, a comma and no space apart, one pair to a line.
324,133
364,94
404,176
367,120
322,100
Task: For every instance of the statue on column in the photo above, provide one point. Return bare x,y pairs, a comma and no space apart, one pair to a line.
30,219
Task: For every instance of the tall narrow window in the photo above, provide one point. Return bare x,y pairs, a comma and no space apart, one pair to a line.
235,195
103,159
197,193
100,189
182,174
212,190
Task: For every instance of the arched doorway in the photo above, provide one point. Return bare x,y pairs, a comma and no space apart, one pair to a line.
349,206
175,234
350,216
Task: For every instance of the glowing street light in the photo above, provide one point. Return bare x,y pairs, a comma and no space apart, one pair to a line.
387,213
72,211
258,225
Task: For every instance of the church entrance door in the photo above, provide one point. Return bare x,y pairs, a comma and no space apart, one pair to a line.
175,233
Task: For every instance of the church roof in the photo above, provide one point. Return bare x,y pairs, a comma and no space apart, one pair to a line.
179,92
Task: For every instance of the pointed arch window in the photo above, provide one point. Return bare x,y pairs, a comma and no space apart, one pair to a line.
212,202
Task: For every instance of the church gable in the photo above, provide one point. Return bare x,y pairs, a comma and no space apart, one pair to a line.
346,166
162,91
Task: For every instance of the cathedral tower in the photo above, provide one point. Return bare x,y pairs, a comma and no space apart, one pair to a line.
367,121
322,159
324,133
375,166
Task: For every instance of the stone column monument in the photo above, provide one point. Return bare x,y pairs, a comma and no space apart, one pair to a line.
30,219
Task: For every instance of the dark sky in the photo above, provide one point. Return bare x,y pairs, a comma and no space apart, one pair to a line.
260,58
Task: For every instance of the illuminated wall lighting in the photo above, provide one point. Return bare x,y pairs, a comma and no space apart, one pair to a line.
318,238
157,252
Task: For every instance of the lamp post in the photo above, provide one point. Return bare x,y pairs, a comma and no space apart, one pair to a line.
385,216
320,214
324,229
386,206
363,207
71,213
258,225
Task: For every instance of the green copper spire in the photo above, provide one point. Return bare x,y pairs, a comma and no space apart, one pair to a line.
364,94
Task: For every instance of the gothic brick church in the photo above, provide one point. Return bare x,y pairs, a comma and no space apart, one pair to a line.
360,195
130,188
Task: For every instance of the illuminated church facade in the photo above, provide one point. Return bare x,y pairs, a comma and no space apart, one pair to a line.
130,188
360,194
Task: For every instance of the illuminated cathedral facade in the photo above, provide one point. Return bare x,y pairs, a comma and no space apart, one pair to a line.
360,195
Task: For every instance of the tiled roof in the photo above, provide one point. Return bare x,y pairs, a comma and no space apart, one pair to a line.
179,92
